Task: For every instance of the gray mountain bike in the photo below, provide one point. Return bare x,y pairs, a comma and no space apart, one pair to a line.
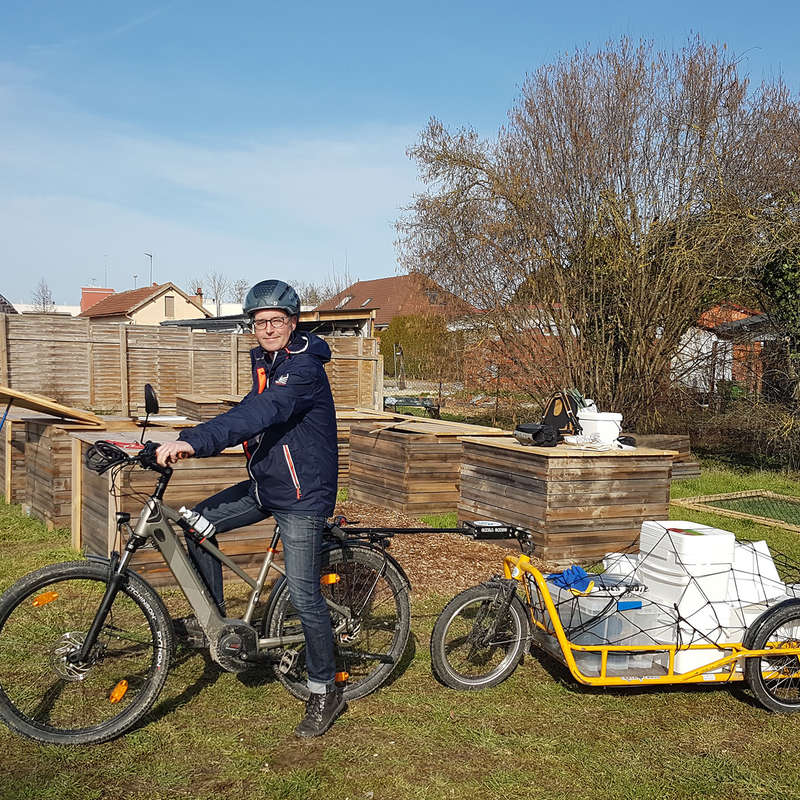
85,646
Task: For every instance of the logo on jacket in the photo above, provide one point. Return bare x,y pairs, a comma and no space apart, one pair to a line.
283,380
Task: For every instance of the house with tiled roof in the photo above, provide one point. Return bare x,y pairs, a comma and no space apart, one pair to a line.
6,307
719,349
400,296
150,305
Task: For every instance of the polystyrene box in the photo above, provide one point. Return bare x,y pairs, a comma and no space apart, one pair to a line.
678,542
692,586
754,578
688,660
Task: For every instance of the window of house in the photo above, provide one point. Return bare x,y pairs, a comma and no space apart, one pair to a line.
366,302
433,296
344,301
169,306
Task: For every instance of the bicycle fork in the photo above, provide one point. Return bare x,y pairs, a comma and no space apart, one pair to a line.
116,568
506,592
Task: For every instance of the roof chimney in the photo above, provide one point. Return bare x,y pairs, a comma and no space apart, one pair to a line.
93,294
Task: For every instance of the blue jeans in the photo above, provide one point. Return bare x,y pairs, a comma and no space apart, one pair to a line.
301,535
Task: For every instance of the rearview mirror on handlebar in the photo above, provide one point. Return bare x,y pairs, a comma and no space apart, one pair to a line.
150,400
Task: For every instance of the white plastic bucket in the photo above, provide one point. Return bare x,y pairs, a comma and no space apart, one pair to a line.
606,425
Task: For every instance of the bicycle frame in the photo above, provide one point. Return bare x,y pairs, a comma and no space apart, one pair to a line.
155,524
517,567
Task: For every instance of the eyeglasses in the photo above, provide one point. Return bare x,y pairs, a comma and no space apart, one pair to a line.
276,322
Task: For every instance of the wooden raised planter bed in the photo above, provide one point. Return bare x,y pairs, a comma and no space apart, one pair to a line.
12,454
93,513
48,466
579,504
345,419
683,465
201,407
411,466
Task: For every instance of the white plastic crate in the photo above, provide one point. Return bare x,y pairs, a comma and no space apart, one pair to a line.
595,619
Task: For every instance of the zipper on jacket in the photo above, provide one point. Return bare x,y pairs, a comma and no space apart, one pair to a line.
263,383
289,463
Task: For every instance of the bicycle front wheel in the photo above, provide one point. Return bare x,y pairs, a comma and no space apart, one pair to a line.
369,644
474,645
44,619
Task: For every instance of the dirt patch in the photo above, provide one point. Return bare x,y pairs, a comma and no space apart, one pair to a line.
436,563
293,753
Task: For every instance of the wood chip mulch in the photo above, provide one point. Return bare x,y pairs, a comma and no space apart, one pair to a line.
436,563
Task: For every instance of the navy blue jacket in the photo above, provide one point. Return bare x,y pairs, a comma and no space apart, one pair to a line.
287,424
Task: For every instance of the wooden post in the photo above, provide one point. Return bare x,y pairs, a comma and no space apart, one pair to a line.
5,361
234,363
190,345
123,370
90,366
378,403
8,455
77,495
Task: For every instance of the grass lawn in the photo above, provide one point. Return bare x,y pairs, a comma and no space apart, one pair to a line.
538,735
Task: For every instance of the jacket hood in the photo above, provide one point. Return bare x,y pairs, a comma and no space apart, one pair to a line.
310,343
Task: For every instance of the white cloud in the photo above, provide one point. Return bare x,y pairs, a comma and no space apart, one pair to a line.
78,187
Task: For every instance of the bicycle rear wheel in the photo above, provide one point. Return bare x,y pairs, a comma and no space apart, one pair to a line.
775,679
44,617
473,644
372,642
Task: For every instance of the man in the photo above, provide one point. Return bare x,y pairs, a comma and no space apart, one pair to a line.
287,424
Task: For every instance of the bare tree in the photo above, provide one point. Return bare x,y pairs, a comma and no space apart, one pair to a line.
43,302
217,286
629,190
313,293
239,289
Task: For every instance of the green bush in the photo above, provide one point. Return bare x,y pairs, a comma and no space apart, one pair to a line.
430,350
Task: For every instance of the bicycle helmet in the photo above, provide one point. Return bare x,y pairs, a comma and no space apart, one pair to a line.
272,294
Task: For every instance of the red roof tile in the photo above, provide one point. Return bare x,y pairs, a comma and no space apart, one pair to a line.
725,312
124,302
393,297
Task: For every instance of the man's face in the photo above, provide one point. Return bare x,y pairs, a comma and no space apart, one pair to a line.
273,328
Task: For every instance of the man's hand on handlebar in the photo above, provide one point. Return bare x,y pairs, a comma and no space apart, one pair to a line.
170,452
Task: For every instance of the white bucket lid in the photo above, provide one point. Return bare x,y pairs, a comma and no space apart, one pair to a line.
600,416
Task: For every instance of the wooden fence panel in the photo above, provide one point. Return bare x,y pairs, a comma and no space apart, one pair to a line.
105,365
106,382
160,356
211,369
49,355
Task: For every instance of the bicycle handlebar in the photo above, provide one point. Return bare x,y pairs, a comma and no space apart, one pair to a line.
104,454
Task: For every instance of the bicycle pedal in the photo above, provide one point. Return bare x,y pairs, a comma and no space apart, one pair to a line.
288,661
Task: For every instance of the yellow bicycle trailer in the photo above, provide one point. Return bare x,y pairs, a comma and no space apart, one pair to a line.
482,634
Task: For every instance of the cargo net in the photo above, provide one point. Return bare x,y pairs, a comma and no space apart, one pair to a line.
689,585
762,506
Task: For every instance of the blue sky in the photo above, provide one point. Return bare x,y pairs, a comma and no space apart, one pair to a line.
268,140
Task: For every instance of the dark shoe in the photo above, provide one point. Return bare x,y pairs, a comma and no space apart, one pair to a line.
189,633
321,712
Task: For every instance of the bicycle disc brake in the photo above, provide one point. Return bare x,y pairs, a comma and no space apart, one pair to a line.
351,633
68,643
